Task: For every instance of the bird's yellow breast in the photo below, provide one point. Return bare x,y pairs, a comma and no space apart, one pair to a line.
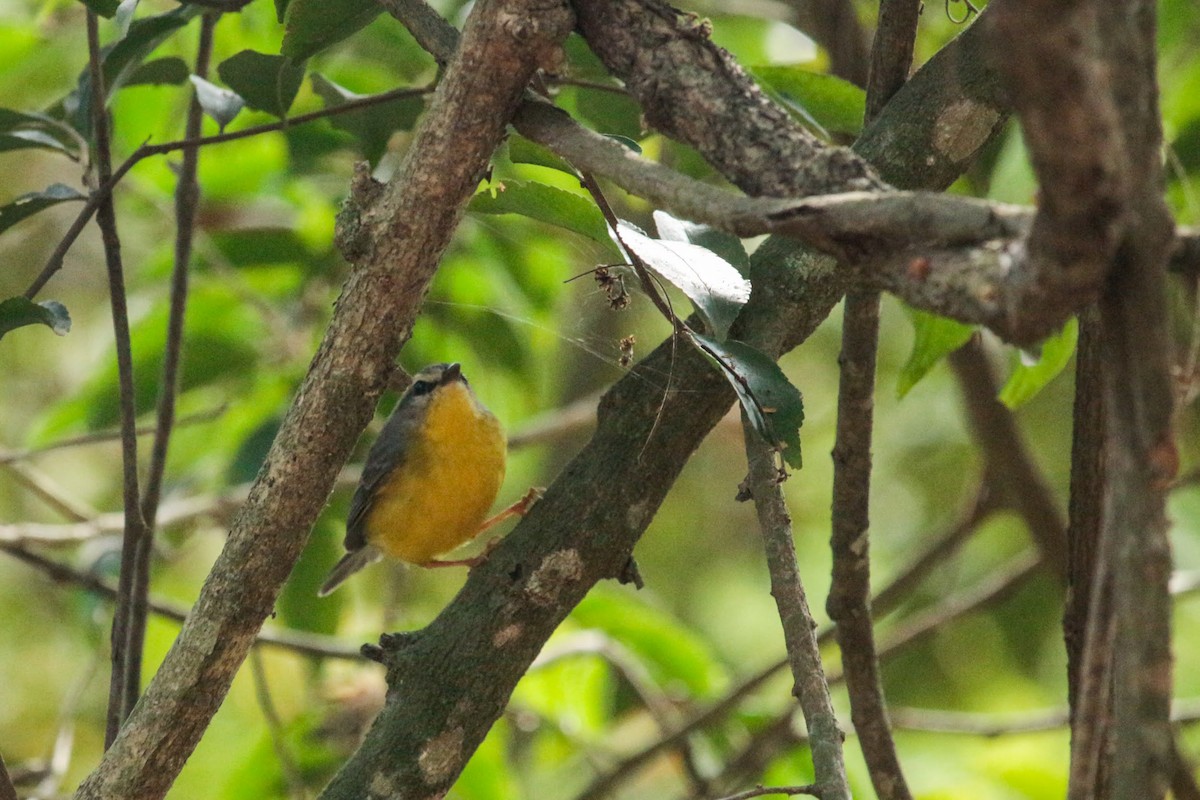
438,497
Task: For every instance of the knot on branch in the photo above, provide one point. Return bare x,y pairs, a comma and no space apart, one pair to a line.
542,32
351,235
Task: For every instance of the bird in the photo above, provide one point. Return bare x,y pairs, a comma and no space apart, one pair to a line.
429,479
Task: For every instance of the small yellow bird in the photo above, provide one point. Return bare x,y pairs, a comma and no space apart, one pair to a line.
429,479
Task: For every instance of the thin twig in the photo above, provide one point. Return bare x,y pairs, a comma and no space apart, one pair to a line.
889,597
51,494
1013,471
779,734
989,725
119,701
64,741
104,190
660,300
657,704
849,602
804,655
611,88
763,791
302,642
187,195
103,437
7,790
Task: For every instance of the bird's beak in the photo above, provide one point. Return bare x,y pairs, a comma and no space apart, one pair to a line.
453,373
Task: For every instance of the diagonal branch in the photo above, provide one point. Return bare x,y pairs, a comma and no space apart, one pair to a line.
509,606
398,239
668,63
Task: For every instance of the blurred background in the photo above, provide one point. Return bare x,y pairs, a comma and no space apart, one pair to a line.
978,696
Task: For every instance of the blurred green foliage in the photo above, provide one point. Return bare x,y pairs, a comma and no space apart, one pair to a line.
626,665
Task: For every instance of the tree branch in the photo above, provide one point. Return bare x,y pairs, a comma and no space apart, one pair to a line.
303,642
668,63
849,601
948,110
123,663
398,241
804,656
1086,510
889,597
187,195
1139,401
1083,77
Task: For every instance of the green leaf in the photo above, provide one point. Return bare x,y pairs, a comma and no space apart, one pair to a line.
253,247
773,405
934,338
716,289
725,245
664,645
523,151
169,71
29,204
105,8
124,15
267,83
309,26
17,312
219,103
21,129
222,337
573,691
630,144
19,140
546,204
296,607
1028,379
823,101
121,60
372,126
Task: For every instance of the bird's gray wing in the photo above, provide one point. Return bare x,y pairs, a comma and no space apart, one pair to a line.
388,451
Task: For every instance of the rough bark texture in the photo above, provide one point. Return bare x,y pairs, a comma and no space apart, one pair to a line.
1051,54
395,244
849,602
1083,77
695,92
510,605
1085,514
947,120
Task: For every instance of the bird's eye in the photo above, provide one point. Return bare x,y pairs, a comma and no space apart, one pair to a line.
422,387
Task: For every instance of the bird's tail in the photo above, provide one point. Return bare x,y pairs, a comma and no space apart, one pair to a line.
351,563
